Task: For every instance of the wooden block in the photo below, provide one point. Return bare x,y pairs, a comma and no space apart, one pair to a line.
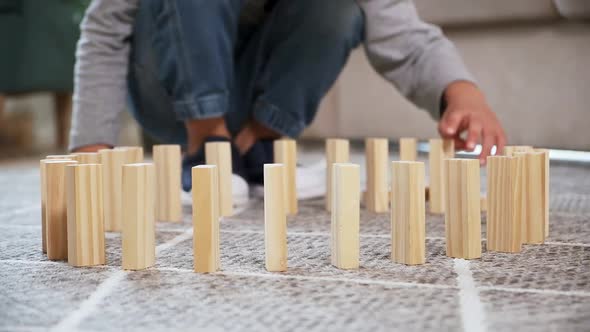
134,153
285,152
60,156
219,154
85,214
112,161
532,197
86,157
139,214
503,192
439,150
377,156
337,151
545,188
275,218
408,216
205,218
462,209
510,150
53,173
167,163
345,215
43,205
408,149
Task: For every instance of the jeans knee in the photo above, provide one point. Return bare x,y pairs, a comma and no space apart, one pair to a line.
336,21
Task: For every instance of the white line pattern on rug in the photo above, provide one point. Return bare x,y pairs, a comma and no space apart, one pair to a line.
472,312
534,291
71,321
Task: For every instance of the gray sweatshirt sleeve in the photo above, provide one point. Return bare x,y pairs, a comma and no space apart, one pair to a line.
413,55
100,73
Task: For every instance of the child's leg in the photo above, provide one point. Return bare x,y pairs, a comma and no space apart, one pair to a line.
291,62
181,68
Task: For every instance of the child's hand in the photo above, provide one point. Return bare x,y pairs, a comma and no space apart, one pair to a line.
468,111
92,148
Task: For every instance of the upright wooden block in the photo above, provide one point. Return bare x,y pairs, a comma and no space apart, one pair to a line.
43,203
545,188
134,153
167,164
377,156
408,216
112,162
532,197
285,152
219,154
54,193
85,215
60,156
510,150
139,199
345,215
337,151
408,149
205,218
275,218
462,208
440,149
503,193
86,157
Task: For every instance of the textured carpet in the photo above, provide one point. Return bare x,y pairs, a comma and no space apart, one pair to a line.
546,287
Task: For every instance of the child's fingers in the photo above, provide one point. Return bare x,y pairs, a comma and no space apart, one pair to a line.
449,124
473,134
486,149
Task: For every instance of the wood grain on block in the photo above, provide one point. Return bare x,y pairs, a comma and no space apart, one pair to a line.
205,218
219,154
503,196
545,188
56,218
337,151
139,214
285,152
377,157
275,218
510,150
112,161
408,149
533,195
462,208
345,215
408,216
134,153
440,149
86,245
167,163
86,157
43,204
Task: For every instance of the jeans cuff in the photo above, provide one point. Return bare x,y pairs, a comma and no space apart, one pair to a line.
204,107
278,120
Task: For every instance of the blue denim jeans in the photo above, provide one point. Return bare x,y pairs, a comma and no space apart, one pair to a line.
196,59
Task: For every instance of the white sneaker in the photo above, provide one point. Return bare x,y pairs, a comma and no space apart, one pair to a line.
240,192
311,182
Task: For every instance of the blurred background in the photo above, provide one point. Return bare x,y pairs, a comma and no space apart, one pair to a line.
531,57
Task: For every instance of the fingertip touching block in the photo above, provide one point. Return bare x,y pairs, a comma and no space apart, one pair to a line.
86,157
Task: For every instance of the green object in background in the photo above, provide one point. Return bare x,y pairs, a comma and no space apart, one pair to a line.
38,42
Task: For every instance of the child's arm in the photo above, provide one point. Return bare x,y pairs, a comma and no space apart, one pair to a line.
100,74
427,69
